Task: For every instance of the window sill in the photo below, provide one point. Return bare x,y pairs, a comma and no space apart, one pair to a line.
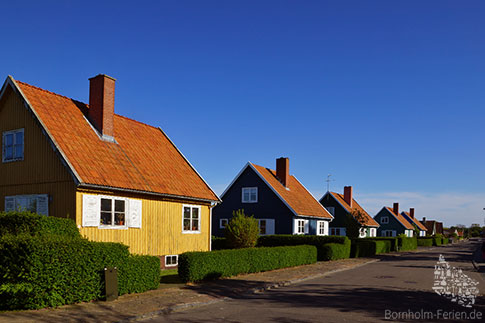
116,227
11,160
190,232
249,202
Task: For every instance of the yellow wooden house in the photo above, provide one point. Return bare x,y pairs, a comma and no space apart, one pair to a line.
119,179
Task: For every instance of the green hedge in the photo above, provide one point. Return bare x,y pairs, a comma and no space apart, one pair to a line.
393,241
446,240
54,270
369,248
32,224
437,241
425,242
406,243
197,266
328,247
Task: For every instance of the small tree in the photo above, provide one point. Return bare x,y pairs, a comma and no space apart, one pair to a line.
354,223
242,231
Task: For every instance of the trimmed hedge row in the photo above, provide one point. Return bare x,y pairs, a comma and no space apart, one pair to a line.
425,242
393,241
406,243
369,248
445,241
54,270
202,265
437,241
328,247
16,223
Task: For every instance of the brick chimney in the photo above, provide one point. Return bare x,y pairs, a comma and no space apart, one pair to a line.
283,170
348,195
411,213
102,104
395,208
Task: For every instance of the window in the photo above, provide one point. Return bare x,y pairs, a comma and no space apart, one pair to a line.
250,195
191,219
262,226
301,227
223,223
171,261
112,212
362,232
13,145
384,220
32,203
337,231
331,210
321,228
388,233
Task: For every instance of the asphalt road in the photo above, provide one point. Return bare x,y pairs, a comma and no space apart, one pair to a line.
399,286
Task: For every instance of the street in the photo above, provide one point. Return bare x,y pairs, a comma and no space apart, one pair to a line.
400,283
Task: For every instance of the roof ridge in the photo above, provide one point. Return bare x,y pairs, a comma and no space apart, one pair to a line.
50,92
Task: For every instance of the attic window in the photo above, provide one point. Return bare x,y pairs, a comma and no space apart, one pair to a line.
249,194
384,220
13,145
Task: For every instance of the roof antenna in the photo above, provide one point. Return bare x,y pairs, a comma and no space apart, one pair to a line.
328,180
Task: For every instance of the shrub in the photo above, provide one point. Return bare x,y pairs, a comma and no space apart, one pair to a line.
394,243
425,241
242,231
219,243
54,270
33,224
369,248
323,253
446,240
197,266
437,240
407,243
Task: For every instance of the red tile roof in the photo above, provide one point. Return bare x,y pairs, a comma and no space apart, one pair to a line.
368,221
401,219
415,221
297,196
142,159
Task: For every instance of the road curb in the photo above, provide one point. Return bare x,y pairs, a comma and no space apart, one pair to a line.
170,309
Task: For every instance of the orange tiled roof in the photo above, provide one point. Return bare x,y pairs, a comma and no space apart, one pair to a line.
297,197
401,219
368,221
418,224
143,159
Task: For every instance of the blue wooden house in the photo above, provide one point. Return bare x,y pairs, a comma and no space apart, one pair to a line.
409,216
277,199
342,206
392,223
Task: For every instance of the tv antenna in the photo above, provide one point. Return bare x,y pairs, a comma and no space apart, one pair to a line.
328,180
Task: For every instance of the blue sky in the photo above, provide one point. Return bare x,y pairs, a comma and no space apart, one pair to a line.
387,96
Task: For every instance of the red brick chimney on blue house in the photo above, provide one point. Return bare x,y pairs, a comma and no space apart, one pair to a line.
395,208
348,195
102,105
283,170
411,213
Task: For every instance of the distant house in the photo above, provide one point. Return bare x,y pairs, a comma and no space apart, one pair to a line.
392,223
434,227
277,199
341,207
409,216
120,180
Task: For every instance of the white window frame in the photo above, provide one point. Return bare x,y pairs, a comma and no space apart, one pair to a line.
363,232
385,218
12,132
29,196
298,225
171,257
320,228
221,225
250,189
113,199
331,210
191,206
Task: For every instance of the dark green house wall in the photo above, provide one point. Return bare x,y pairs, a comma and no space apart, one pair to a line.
393,224
340,217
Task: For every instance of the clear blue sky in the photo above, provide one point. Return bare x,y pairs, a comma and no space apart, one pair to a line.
387,96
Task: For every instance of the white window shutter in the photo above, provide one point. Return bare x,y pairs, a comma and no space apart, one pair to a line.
295,226
325,228
269,226
91,210
134,215
307,224
9,203
43,204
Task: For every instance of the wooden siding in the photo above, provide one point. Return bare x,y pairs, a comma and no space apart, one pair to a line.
41,171
161,230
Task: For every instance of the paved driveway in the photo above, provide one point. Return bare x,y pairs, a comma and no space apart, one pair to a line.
396,285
